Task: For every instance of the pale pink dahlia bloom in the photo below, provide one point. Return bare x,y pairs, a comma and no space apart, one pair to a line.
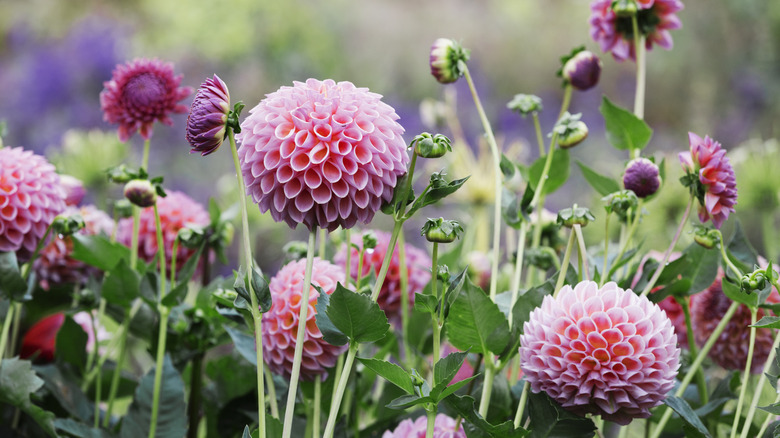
603,351
31,196
55,265
280,324
616,35
140,93
708,160
418,268
322,153
177,211
444,427
207,122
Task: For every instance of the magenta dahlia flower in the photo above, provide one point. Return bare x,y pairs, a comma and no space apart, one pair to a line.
418,268
207,122
444,427
140,93
280,324
322,153
714,182
31,196
603,351
177,211
55,265
616,34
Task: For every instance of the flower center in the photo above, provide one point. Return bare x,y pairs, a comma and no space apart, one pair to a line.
145,89
647,20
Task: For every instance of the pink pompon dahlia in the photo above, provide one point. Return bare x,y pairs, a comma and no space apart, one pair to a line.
710,178
444,427
603,351
280,324
55,265
207,122
418,268
177,211
31,196
615,33
322,153
140,93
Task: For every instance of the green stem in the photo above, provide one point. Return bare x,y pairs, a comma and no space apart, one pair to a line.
516,277
431,423
701,383
125,328
323,241
768,230
41,243
726,257
410,176
302,318
746,375
15,326
98,393
696,364
193,405
487,386
668,252
521,406
9,316
342,385
539,136
317,404
339,369
145,158
564,265
348,266
605,266
582,252
271,393
163,333
380,278
359,273
173,260
566,101
770,360
641,67
625,240
435,318
404,299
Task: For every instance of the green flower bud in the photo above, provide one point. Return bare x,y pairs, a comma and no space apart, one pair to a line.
417,379
568,217
705,236
446,58
121,174
542,257
123,208
295,250
525,104
141,192
369,240
431,146
621,202
67,225
624,8
441,231
571,131
191,236
754,281
443,274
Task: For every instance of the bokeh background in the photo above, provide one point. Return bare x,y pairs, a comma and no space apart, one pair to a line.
720,79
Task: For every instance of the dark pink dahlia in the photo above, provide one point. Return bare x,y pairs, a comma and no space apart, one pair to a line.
616,34
140,93
280,324
31,196
322,153
207,122
443,427
418,269
717,191
603,351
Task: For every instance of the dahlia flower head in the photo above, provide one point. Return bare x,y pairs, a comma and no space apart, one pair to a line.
207,122
615,33
669,305
141,92
322,153
418,269
55,265
177,211
731,349
280,324
31,196
444,427
708,160
604,351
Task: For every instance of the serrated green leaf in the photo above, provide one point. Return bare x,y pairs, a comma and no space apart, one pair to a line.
507,167
475,322
439,393
768,321
476,425
446,368
407,401
17,382
330,333
604,185
556,177
261,289
625,131
425,303
704,267
98,251
176,295
356,316
12,285
685,411
433,195
733,291
391,372
549,420
739,248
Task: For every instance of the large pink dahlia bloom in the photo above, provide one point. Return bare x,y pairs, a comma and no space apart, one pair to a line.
280,324
177,211
418,269
140,93
603,351
55,265
444,427
708,160
322,153
616,34
31,196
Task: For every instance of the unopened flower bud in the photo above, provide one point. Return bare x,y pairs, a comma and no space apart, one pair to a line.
67,225
417,379
541,257
706,237
295,250
225,297
369,240
120,174
74,189
582,70
755,281
568,217
443,274
525,104
621,203
571,130
441,231
431,146
191,236
642,177
123,208
141,192
446,56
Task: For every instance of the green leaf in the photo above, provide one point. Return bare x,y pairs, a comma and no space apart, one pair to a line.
768,321
433,194
425,303
446,368
549,420
17,382
602,184
80,430
705,264
214,211
556,177
176,295
12,285
739,247
121,285
330,333
356,316
510,208
475,322
507,167
624,129
407,401
245,344
273,427
391,372
71,344
172,413
439,393
261,289
733,291
476,425
98,251
685,411
67,391
185,273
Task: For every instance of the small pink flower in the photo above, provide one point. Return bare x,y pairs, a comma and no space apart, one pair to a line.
603,351
280,324
140,93
207,122
718,191
418,268
31,196
444,427
322,154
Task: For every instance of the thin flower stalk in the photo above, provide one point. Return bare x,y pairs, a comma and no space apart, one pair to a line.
163,330
404,297
701,383
641,74
746,374
583,253
662,265
770,360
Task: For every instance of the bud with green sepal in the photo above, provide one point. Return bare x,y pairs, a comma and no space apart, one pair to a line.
706,236
446,58
755,281
443,274
568,217
294,250
431,146
580,69
67,225
624,8
369,240
123,208
141,192
571,130
122,174
525,104
621,202
441,231
542,257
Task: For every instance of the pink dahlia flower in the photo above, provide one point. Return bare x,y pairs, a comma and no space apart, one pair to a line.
418,268
718,191
177,211
207,122
616,34
140,93
74,189
730,352
444,427
322,153
603,351
280,324
55,265
31,196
